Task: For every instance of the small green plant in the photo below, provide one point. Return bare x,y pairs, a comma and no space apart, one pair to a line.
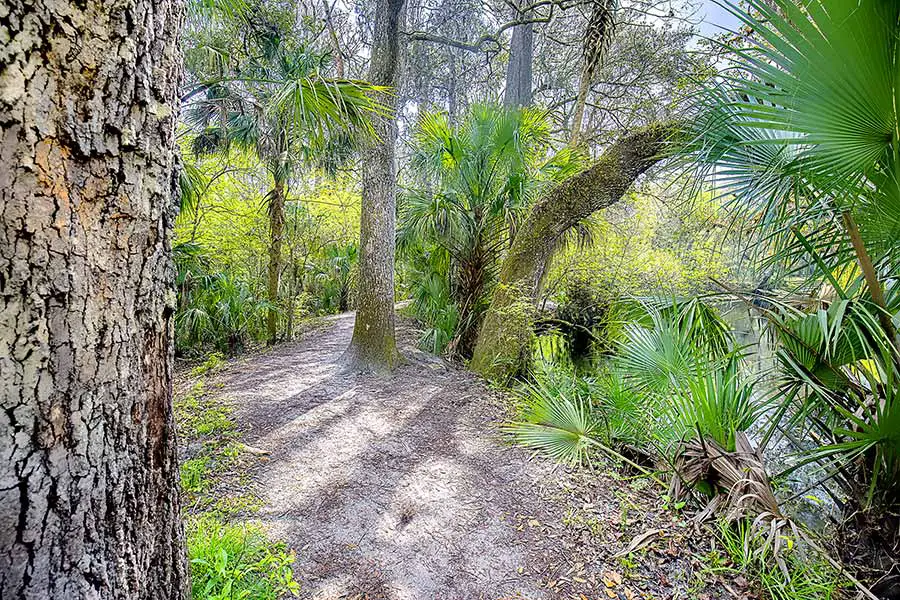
231,561
212,362
668,504
193,475
781,569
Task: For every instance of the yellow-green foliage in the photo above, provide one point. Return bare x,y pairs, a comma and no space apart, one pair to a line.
644,247
222,252
231,222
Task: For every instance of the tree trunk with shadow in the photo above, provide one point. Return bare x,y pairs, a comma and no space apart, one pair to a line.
373,346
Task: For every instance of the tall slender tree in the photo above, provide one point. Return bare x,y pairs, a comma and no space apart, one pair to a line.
597,37
373,346
269,96
89,502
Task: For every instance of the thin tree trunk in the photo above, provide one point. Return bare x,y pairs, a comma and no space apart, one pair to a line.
89,503
276,235
373,346
335,42
505,336
597,37
578,116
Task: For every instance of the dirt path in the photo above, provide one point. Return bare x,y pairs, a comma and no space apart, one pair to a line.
402,487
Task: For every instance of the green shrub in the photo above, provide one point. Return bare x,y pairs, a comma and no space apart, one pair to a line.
232,561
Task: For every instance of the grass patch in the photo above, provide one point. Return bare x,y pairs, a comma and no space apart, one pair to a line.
229,559
237,560
212,363
801,574
199,415
193,475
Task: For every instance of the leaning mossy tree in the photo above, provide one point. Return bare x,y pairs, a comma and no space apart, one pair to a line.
505,336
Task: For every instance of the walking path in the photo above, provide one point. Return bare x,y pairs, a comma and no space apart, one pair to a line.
402,488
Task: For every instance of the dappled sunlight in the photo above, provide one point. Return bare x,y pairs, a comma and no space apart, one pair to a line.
320,457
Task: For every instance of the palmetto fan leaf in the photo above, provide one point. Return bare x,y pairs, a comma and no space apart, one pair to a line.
716,404
561,427
673,342
320,105
839,375
827,74
806,127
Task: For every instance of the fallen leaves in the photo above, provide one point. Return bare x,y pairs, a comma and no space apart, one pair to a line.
640,541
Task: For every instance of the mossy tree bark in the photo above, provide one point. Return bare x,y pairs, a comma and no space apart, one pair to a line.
89,502
505,336
373,346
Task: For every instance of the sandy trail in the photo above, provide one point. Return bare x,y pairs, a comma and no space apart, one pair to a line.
402,487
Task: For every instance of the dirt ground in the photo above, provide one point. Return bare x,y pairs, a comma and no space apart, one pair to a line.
403,488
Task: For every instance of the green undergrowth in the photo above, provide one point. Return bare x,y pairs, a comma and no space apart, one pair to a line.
230,555
237,560
779,569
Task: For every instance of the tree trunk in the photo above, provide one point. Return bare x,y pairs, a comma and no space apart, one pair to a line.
276,235
578,115
471,275
519,74
335,42
89,503
519,70
505,337
373,346
597,37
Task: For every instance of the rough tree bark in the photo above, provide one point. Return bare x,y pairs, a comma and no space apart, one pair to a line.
373,346
504,339
519,74
276,235
88,474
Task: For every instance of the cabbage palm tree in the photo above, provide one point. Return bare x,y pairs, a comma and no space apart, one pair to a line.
478,179
260,90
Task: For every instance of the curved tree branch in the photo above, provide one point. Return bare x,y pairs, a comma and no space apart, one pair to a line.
504,337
